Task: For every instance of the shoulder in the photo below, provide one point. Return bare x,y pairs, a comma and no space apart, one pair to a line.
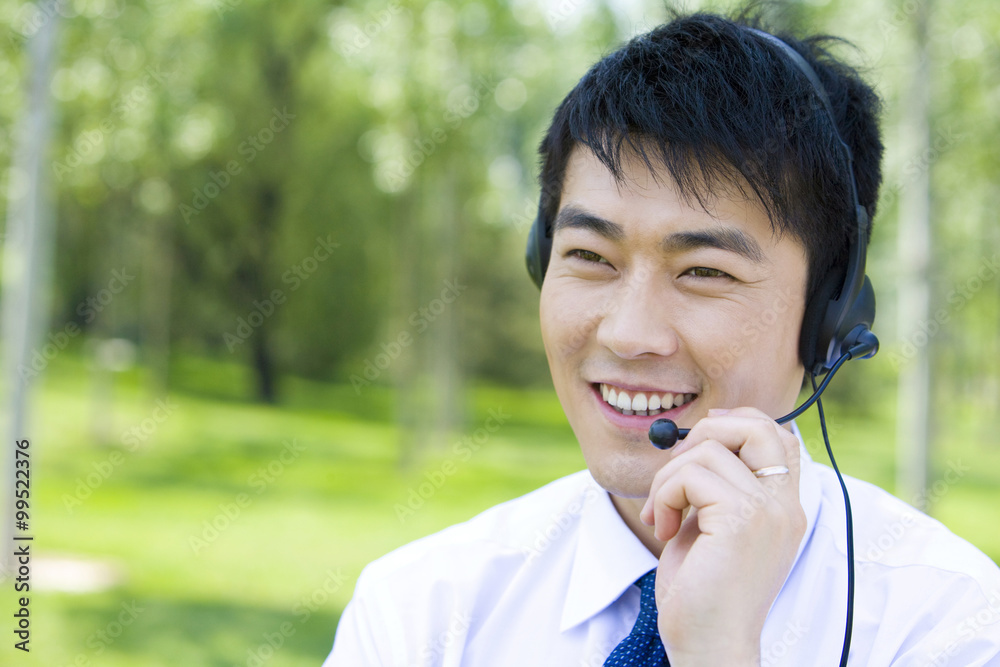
426,601
925,592
428,596
891,533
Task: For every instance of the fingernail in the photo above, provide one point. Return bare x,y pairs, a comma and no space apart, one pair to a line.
717,412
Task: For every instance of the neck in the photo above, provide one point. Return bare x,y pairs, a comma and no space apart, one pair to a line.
628,510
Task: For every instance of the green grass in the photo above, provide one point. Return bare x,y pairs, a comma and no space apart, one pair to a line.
272,569
302,526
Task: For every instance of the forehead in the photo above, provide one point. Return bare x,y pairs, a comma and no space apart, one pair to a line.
643,199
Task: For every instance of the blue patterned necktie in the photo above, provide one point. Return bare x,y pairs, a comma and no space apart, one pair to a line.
642,647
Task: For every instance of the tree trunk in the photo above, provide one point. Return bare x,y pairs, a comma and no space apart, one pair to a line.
263,361
445,367
156,304
27,260
263,364
406,373
914,256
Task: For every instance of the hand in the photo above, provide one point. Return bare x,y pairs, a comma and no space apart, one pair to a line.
731,537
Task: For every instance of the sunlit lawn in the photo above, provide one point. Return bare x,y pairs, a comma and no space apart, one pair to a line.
290,536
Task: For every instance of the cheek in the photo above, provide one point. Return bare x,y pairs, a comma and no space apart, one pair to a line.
568,320
741,345
782,323
717,337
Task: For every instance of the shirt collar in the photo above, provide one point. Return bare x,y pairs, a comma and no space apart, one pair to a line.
609,557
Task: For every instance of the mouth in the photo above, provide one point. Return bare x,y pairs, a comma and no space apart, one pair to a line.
646,403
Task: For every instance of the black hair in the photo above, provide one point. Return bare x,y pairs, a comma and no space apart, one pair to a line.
721,110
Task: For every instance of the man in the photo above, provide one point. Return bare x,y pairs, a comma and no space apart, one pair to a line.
697,201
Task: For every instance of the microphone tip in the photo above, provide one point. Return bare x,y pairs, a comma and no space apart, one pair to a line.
663,433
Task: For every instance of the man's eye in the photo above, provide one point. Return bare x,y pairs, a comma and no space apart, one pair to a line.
588,256
705,272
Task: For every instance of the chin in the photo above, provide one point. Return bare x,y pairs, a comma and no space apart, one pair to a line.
624,472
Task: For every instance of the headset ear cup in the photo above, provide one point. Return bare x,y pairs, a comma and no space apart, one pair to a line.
863,309
862,312
812,350
537,253
531,257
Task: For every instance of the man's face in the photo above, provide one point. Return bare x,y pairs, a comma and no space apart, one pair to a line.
679,309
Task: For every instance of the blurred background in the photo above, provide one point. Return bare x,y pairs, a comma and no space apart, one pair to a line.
264,296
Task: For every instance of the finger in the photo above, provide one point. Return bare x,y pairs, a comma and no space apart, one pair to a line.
673,554
758,440
709,454
788,438
693,485
761,448
713,456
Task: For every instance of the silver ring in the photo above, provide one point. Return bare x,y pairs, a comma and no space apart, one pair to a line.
771,470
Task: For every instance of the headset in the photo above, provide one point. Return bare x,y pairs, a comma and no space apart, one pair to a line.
836,325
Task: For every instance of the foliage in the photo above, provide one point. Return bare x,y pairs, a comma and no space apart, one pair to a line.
405,140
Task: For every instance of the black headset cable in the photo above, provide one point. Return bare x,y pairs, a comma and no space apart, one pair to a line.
849,625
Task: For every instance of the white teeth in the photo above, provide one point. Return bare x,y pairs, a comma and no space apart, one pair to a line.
641,403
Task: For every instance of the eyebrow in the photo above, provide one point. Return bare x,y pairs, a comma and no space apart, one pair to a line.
723,238
574,217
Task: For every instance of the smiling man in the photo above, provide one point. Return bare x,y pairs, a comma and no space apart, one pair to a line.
696,204
643,294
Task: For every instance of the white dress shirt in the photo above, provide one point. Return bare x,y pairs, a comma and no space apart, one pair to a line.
547,580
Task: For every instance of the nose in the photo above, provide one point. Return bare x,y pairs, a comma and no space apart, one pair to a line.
639,319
